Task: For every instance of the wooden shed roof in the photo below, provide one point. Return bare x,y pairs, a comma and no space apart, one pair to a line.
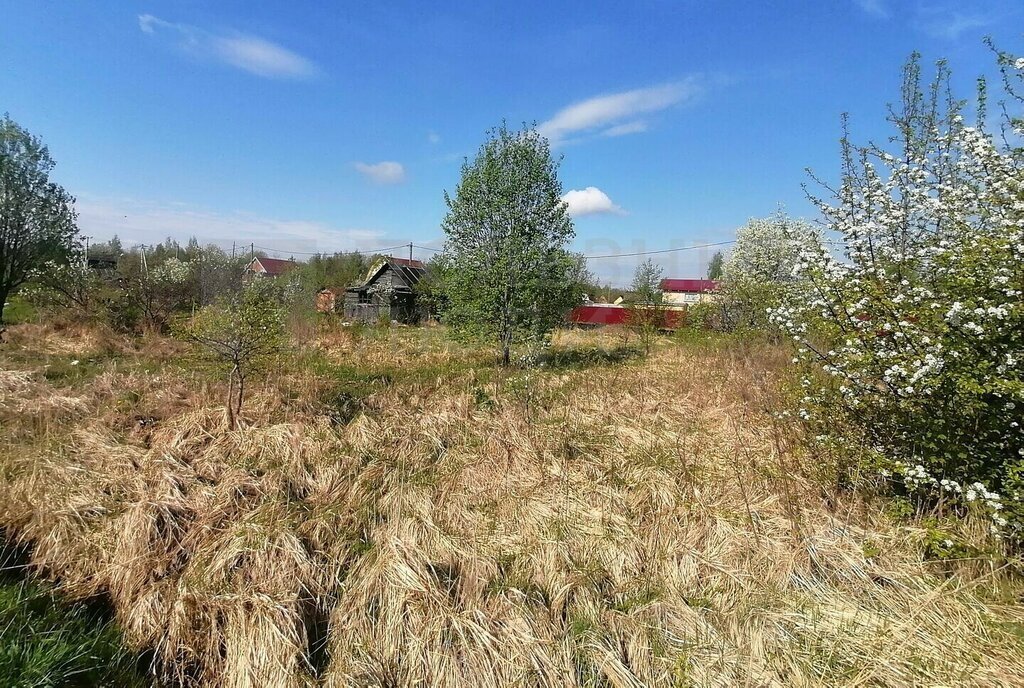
410,270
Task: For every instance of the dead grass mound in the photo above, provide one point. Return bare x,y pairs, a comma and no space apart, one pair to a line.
635,524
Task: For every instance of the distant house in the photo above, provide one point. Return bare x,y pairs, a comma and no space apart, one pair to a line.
268,267
680,291
387,292
102,263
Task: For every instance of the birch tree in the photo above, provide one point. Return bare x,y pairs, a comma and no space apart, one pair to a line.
508,275
646,314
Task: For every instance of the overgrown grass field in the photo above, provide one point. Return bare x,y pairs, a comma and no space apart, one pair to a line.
395,510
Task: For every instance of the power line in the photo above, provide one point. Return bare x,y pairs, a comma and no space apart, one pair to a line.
324,253
665,250
627,255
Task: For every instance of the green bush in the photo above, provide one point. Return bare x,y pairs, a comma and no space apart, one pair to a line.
705,315
19,310
240,336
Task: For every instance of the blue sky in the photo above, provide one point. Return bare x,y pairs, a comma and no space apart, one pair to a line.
305,126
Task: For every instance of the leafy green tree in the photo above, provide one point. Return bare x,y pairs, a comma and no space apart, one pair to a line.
241,336
37,217
715,265
110,250
646,286
509,277
646,314
335,270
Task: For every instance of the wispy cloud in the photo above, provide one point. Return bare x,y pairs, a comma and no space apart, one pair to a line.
944,19
950,22
637,127
876,8
433,137
590,201
385,172
616,114
148,222
249,53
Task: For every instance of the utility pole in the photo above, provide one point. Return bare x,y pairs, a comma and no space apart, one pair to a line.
232,252
252,251
87,250
410,250
145,268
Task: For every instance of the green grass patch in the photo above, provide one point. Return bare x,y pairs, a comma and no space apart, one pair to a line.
19,311
579,358
45,641
63,370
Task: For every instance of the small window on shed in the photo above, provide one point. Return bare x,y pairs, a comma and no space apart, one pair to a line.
365,297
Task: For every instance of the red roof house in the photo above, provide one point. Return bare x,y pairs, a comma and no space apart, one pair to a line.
677,291
689,286
269,267
407,263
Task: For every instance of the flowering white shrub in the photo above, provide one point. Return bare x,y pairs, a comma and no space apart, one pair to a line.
758,273
918,328
767,248
66,284
172,271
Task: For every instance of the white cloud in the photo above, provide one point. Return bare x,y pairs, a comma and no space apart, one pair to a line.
148,222
616,111
249,53
148,23
590,201
876,8
386,172
262,57
637,127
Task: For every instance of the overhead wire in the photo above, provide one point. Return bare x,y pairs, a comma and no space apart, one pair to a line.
665,250
322,253
436,250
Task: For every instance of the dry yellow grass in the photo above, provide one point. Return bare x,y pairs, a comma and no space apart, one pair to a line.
641,523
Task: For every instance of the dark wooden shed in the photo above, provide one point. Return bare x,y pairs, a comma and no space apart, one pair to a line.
387,292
